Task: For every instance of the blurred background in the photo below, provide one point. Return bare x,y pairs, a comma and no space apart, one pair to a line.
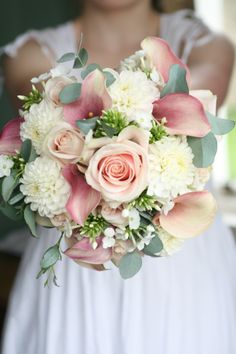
18,16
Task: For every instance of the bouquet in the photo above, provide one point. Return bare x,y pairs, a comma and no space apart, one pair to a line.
116,161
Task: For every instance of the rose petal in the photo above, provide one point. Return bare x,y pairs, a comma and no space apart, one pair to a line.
83,198
94,98
10,140
192,214
184,114
162,56
137,135
83,251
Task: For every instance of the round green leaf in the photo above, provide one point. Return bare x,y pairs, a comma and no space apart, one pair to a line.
9,183
220,126
70,93
109,78
90,68
86,124
130,264
177,82
154,247
81,59
26,149
204,150
66,57
29,217
50,257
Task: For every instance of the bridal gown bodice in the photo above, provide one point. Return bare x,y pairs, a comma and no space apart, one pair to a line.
184,304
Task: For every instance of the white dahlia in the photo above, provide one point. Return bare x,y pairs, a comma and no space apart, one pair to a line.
171,244
132,92
40,119
171,169
44,187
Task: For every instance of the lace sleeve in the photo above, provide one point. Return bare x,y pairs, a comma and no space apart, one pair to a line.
185,31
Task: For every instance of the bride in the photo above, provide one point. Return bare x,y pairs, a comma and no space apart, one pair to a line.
185,304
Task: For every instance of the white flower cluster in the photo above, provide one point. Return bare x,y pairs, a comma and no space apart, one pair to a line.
44,187
171,244
6,165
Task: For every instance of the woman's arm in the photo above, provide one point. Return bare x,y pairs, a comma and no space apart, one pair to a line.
211,66
18,71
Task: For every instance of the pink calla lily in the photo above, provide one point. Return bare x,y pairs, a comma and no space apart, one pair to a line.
83,198
10,140
83,252
192,214
94,98
161,55
184,114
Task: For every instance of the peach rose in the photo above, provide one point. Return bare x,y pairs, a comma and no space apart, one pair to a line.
64,144
113,215
119,170
54,86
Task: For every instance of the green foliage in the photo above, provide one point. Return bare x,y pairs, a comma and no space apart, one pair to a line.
154,247
85,125
177,82
34,97
220,126
204,150
90,68
9,183
111,123
81,59
143,203
130,264
29,216
109,78
93,226
66,57
70,93
157,132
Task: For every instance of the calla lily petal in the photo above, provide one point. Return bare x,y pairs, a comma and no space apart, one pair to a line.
83,198
10,140
207,99
184,114
162,56
83,251
94,98
192,214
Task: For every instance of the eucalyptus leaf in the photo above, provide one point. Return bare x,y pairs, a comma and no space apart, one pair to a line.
146,216
204,150
14,200
85,125
33,154
155,246
66,57
220,126
177,82
90,68
50,257
9,183
109,78
110,132
11,212
81,59
29,217
130,264
25,150
70,93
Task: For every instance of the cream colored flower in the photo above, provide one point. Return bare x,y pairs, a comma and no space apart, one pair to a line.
171,244
6,164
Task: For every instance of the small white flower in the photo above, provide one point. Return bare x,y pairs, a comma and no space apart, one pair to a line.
171,169
134,219
94,244
60,70
125,213
132,92
6,164
143,119
108,240
40,78
44,187
40,119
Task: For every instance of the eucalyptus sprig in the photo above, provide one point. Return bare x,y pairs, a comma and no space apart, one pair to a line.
34,97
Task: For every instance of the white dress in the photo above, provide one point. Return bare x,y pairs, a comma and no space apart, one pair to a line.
184,304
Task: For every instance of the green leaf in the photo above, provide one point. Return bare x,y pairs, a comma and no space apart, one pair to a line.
155,246
50,257
130,265
66,57
81,59
204,149
33,154
90,68
220,126
9,183
29,217
25,150
109,131
16,198
109,78
86,124
70,93
11,212
177,82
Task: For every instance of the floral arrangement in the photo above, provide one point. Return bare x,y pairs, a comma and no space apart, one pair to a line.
117,161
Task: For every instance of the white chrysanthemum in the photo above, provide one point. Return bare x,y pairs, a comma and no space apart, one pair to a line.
202,176
171,244
6,164
132,92
171,169
39,121
44,187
